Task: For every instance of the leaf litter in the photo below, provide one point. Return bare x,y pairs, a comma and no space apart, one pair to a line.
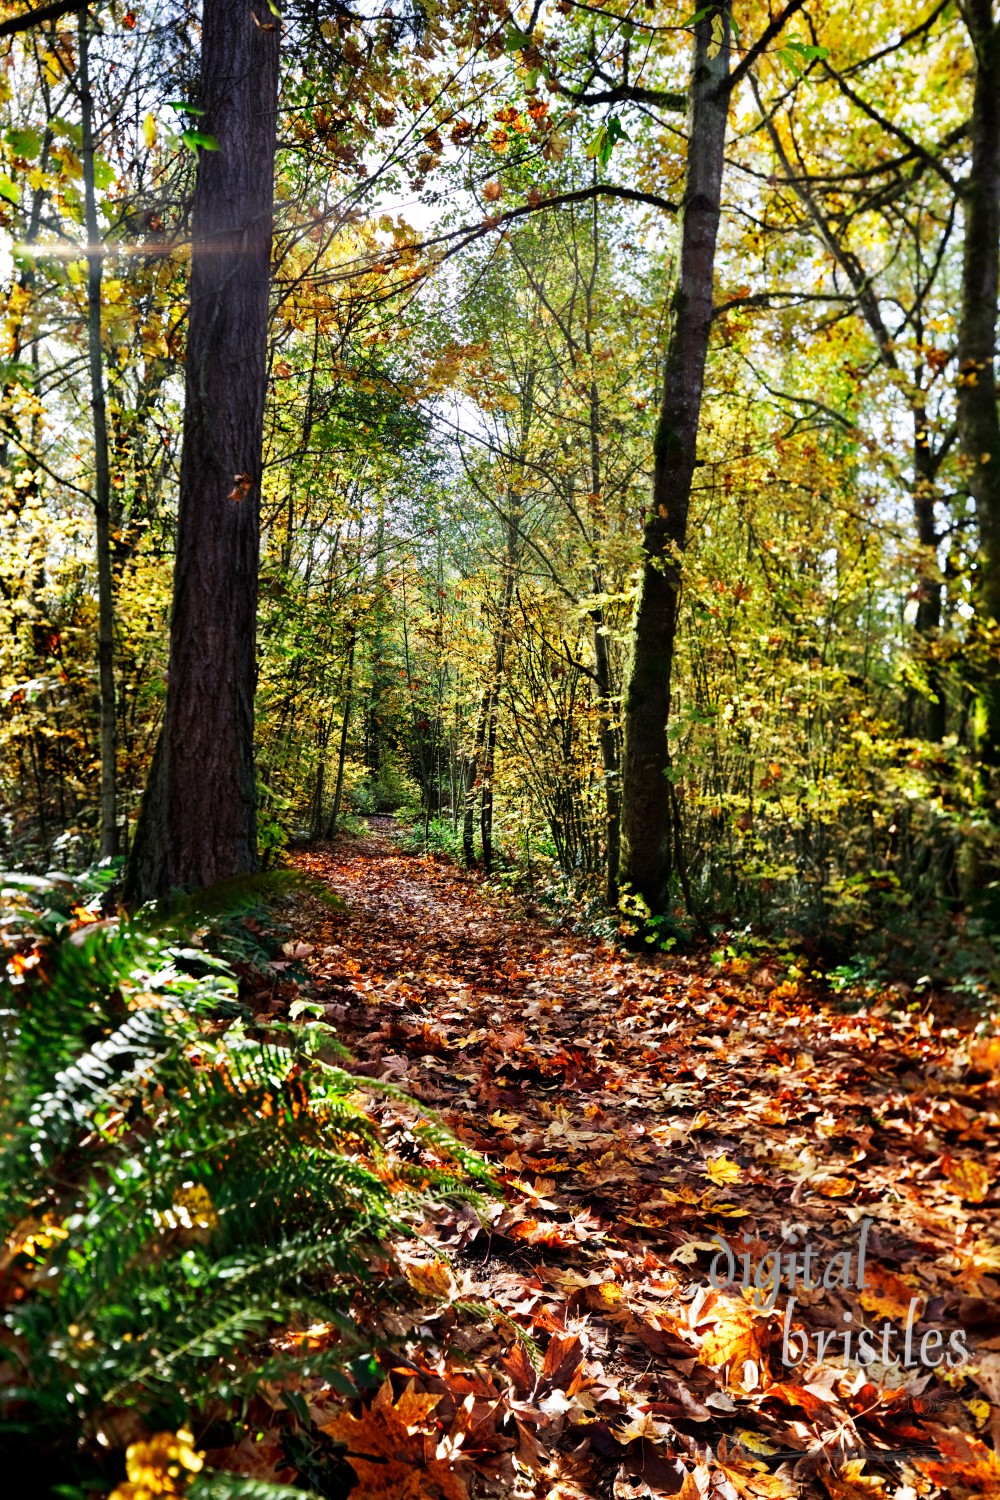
568,1340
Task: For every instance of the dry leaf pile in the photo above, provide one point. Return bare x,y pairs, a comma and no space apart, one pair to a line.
639,1113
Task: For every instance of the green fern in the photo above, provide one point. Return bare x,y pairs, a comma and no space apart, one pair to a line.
174,1187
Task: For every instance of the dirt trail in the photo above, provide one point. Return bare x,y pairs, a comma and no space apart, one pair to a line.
637,1111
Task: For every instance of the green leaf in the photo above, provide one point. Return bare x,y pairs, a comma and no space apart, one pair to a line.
807,53
104,172
303,1008
597,140
788,58
26,143
195,138
296,1404
183,108
9,189
516,41
699,15
273,9
604,140
627,30
13,372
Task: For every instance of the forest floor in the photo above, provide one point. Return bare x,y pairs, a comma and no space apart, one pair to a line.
636,1109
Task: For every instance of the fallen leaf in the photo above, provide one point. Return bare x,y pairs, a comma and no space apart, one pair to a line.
970,1179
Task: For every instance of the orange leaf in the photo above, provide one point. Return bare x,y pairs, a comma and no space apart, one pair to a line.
732,1340
886,1293
969,1178
392,1449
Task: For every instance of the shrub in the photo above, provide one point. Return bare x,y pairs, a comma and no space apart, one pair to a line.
174,1186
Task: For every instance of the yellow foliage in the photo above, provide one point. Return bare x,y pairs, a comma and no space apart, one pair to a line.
160,1465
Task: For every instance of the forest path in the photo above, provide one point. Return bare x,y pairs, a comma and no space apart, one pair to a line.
636,1110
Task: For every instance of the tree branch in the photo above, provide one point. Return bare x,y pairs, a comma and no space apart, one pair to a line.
767,36
763,299
912,146
39,16
580,195
630,93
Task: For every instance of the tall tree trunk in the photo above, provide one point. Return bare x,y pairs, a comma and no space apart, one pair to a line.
978,421
338,793
472,781
199,816
928,622
607,732
379,670
492,706
646,824
102,461
609,756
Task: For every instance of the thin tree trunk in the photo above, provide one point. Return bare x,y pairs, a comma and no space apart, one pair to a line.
602,656
492,705
978,420
471,782
379,684
928,622
609,757
342,751
102,462
199,815
319,792
646,825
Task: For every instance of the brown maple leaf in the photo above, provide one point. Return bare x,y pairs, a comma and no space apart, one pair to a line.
393,1449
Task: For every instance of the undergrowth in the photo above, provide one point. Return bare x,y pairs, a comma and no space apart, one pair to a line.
177,1182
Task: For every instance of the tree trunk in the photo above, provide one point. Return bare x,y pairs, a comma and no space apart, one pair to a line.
198,821
471,780
102,462
646,824
607,733
338,793
492,704
928,622
609,756
379,671
978,421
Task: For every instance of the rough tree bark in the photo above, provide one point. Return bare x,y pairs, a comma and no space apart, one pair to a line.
102,462
646,822
978,419
198,820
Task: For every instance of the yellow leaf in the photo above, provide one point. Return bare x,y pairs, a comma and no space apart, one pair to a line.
834,1187
606,1297
979,1410
433,1279
732,1342
969,1179
721,1170
149,132
155,1466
